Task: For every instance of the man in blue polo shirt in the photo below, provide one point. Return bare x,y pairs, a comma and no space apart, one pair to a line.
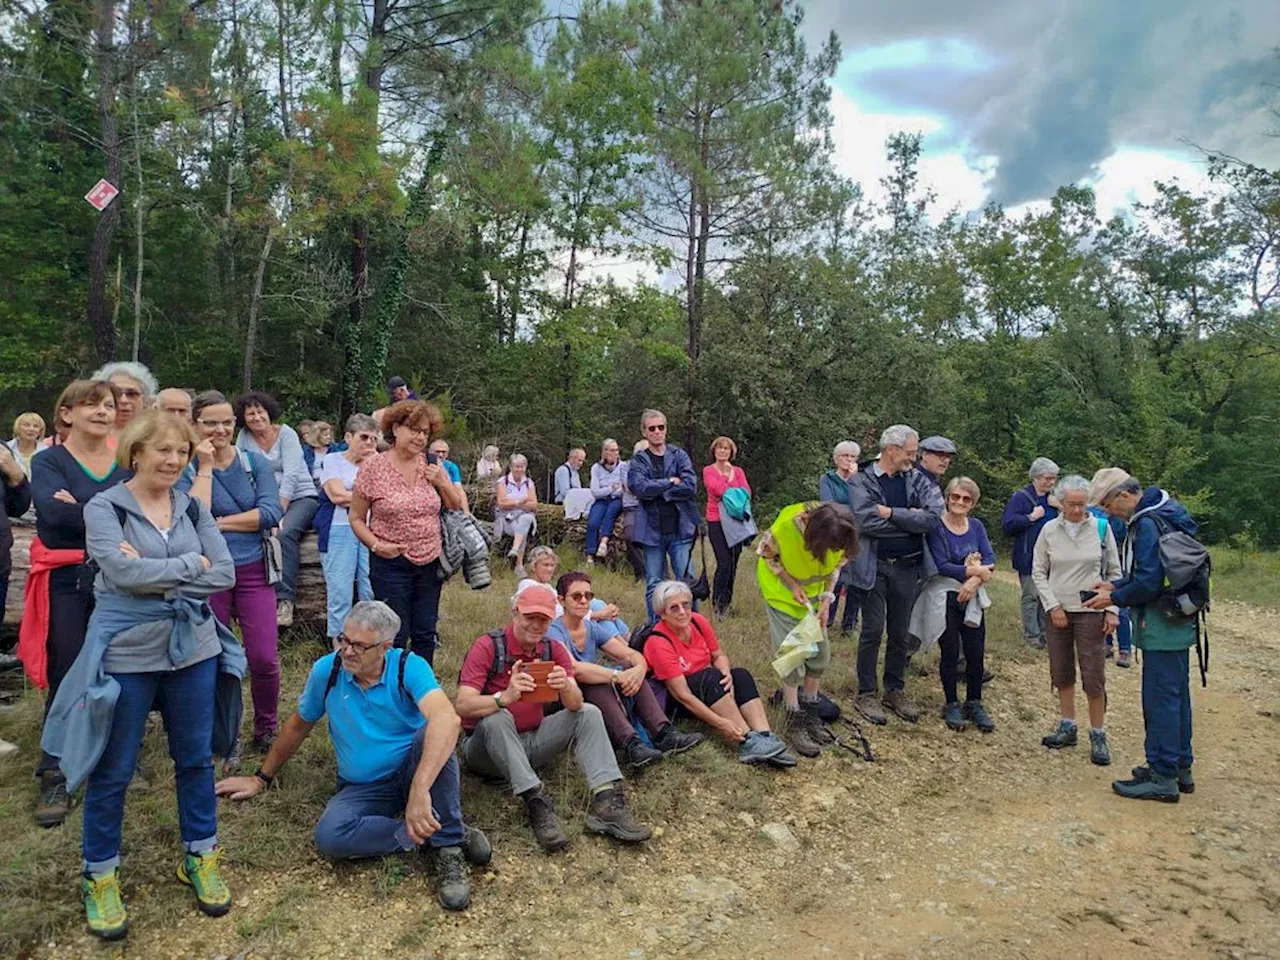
394,732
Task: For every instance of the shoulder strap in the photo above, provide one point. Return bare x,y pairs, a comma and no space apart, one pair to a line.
405,654
246,465
1102,529
499,639
333,675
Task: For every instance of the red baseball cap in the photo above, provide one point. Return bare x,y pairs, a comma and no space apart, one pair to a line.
537,598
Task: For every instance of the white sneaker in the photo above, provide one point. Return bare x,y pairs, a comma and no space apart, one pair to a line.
603,549
284,613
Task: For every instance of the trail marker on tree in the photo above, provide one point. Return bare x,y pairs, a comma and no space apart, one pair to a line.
103,192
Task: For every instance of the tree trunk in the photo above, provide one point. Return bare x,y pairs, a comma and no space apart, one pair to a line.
138,229
251,332
100,321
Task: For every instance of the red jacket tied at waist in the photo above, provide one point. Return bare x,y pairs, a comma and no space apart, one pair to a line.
33,635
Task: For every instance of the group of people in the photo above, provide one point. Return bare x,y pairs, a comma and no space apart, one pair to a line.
160,527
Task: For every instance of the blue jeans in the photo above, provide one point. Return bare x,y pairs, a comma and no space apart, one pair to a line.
413,591
367,819
655,563
346,563
1166,709
603,515
185,699
1124,633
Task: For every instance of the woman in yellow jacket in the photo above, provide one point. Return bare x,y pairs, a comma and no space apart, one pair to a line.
799,562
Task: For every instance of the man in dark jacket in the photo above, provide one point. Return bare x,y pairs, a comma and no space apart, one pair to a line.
661,477
936,457
17,500
1025,515
895,506
1164,638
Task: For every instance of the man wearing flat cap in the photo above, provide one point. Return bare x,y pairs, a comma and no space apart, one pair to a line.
936,456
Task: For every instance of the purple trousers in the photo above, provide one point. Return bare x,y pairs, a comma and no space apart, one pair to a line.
252,601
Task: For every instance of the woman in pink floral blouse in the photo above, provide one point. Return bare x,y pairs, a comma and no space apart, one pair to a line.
395,512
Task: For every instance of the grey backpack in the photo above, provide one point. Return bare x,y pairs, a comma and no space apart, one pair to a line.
1187,568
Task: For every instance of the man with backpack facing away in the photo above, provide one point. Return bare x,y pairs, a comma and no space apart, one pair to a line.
1160,531
394,732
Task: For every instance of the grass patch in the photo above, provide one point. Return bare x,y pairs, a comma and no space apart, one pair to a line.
1249,576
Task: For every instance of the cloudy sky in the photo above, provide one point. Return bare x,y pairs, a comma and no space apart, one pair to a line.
1017,97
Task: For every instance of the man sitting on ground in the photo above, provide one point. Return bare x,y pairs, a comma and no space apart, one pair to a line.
394,732
508,736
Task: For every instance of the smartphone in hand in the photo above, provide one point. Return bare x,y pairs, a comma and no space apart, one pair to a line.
1087,595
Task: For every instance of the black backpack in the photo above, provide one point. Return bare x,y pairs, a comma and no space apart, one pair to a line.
499,664
405,654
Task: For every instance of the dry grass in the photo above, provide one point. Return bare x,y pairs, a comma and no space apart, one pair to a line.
270,839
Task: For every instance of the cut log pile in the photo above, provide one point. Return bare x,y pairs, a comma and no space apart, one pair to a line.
553,530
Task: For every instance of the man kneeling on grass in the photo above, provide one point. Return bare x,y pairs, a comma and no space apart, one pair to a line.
509,735
394,732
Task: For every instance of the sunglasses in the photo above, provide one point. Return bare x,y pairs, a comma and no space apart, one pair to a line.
678,605
343,640
960,498
655,428
580,596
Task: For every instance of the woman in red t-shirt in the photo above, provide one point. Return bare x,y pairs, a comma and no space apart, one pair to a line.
683,653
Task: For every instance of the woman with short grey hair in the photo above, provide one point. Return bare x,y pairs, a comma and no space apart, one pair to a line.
684,656
833,487
1025,515
1073,553
517,501
136,388
343,558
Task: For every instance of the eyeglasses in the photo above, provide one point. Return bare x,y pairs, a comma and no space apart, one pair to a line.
215,424
960,498
419,430
655,428
580,596
677,605
131,393
361,648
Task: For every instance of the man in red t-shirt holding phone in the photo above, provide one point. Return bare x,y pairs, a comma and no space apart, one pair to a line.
509,732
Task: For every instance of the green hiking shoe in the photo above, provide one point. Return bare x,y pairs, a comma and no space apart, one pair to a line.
200,872
103,905
1186,784
1156,787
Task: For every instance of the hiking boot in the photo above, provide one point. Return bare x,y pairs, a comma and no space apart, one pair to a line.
1035,643
54,802
284,613
671,740
987,675
1111,652
610,815
1125,659
868,704
818,729
200,872
1185,782
103,905
262,744
1099,752
640,754
976,713
542,818
953,717
453,880
1064,736
823,707
759,746
1154,787
796,733
900,704
476,847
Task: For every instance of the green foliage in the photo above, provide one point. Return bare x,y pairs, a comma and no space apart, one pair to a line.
428,190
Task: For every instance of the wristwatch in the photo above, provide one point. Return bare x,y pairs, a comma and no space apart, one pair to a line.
497,698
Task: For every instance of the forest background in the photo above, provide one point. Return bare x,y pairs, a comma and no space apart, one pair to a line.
318,193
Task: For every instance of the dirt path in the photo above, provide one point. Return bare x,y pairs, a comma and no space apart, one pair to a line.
947,846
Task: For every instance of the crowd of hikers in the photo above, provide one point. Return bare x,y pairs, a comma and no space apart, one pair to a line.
165,517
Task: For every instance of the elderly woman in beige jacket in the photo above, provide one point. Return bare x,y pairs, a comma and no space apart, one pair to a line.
1074,552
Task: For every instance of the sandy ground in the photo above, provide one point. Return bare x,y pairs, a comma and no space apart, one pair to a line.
947,846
